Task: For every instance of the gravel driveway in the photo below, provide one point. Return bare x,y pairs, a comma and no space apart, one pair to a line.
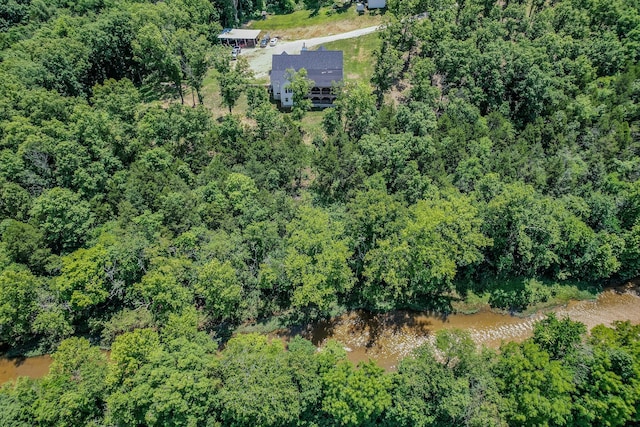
260,58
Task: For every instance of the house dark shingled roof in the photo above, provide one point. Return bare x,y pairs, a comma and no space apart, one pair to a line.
323,66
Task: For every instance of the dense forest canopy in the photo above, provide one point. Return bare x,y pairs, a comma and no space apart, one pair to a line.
496,142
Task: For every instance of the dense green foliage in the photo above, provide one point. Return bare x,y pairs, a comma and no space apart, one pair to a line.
174,378
508,150
499,143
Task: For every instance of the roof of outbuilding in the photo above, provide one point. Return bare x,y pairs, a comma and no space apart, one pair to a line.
235,33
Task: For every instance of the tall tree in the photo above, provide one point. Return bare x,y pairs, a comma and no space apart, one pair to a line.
64,218
233,81
300,87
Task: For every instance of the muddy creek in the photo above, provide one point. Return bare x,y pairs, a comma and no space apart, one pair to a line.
35,367
387,338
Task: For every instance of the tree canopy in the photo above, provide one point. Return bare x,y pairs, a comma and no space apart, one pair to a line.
495,149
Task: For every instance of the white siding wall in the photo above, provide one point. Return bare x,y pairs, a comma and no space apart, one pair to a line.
286,96
275,86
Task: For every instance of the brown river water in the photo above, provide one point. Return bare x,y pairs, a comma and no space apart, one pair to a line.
389,337
35,367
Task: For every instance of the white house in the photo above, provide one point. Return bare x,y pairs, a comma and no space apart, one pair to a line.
324,68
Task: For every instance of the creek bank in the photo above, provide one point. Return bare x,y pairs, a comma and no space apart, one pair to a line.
389,337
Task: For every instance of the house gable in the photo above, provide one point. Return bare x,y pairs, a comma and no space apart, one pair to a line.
324,68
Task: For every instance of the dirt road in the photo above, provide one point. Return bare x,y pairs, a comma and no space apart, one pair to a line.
260,58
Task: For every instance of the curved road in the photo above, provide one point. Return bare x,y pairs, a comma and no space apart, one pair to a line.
260,58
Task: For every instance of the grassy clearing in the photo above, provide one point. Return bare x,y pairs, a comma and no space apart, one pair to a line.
312,125
302,25
561,294
264,326
300,18
213,101
358,55
471,303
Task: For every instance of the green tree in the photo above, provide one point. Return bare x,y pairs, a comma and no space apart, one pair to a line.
559,338
418,265
304,366
257,386
63,63
158,383
17,402
388,67
15,201
537,390
219,287
126,320
64,218
195,59
315,265
534,234
355,397
300,87
119,98
162,292
373,215
233,81
130,352
356,107
428,393
397,159
422,72
159,51
74,391
18,304
608,393
24,244
83,280
52,323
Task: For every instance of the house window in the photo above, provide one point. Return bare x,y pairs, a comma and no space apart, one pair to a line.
288,90
286,100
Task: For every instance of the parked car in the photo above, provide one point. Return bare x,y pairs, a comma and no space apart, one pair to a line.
235,52
265,41
273,42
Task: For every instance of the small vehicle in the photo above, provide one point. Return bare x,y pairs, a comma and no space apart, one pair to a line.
265,41
235,52
273,42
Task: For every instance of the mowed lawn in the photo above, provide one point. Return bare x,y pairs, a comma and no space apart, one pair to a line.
358,55
303,25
